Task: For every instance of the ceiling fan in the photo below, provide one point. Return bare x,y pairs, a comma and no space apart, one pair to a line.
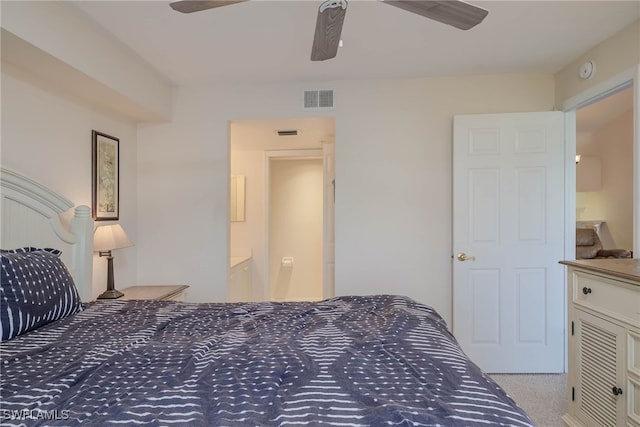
331,14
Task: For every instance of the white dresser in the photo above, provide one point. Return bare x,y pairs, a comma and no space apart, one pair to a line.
604,342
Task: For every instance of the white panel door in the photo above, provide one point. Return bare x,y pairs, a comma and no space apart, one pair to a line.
508,207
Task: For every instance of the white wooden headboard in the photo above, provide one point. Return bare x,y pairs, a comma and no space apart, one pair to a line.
30,216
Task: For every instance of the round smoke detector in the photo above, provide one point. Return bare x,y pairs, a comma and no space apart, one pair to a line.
587,70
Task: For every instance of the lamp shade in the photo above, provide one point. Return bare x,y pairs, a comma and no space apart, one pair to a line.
109,237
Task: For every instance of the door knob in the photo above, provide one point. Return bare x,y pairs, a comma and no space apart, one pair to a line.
464,257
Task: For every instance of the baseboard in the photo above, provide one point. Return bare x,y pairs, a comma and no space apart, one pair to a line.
571,421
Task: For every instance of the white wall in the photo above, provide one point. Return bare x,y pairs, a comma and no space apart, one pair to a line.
393,179
295,228
613,145
47,137
614,55
250,233
616,148
60,45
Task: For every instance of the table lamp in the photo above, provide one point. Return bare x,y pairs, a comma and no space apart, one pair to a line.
105,239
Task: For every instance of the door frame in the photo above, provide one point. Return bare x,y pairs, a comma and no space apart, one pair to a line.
620,81
301,154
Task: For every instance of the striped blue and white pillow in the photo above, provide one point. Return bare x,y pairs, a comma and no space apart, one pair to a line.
36,289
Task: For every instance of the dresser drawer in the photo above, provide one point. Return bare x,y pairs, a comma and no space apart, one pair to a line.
618,299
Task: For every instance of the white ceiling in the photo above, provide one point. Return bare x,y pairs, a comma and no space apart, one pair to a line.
266,41
270,41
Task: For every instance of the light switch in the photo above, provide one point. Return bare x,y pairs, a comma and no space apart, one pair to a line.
287,261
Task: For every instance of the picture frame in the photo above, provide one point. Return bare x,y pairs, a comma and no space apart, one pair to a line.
105,171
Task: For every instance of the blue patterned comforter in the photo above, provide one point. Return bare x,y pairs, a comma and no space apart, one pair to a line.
347,361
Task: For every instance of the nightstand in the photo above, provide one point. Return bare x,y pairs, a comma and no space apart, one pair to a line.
156,292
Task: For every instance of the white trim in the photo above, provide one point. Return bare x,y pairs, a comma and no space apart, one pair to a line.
303,153
569,208
629,77
328,218
227,197
570,183
602,90
636,160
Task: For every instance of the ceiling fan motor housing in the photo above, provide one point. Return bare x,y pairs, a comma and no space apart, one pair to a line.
332,4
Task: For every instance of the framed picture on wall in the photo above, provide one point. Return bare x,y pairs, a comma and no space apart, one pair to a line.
105,170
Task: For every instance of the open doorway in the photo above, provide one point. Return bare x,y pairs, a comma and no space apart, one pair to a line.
604,168
295,225
251,141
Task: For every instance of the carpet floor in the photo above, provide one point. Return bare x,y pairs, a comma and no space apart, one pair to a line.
542,396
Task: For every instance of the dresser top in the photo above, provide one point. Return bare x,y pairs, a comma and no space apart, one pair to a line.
624,268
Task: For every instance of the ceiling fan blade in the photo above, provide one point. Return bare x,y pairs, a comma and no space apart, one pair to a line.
328,29
189,6
459,14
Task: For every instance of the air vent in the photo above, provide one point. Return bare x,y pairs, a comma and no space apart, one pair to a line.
293,132
318,99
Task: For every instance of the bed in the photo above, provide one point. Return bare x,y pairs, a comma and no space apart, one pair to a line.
348,361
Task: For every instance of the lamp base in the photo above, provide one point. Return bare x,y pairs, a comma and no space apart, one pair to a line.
110,294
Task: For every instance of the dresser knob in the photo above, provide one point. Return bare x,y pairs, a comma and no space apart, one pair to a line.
586,290
617,391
